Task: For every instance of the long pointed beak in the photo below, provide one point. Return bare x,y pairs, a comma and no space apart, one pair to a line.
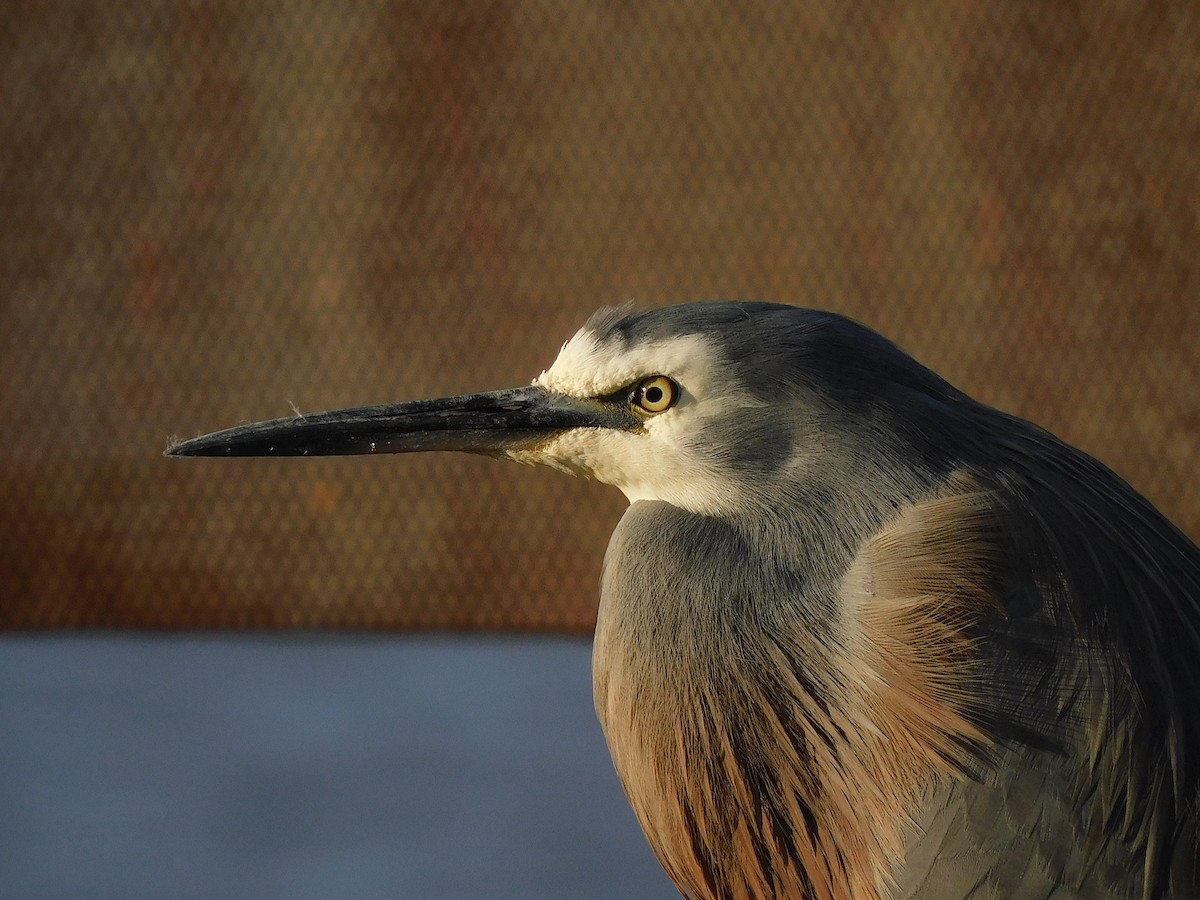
489,423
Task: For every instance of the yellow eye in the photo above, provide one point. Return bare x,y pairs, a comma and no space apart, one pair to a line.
656,394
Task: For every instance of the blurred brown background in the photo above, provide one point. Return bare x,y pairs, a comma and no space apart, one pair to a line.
211,211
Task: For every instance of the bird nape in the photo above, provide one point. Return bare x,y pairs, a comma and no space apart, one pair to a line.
859,635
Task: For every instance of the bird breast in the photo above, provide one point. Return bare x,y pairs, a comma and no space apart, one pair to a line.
774,725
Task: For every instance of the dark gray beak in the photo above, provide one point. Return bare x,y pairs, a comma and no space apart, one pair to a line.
489,423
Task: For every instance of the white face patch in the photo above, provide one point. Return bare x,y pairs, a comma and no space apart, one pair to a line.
647,466
586,368
659,463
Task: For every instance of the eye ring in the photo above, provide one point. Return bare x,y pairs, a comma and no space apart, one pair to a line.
655,394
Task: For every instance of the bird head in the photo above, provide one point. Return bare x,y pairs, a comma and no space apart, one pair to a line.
707,406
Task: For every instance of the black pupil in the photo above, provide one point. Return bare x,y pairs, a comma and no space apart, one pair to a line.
653,394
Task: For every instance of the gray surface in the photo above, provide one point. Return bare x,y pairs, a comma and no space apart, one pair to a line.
309,767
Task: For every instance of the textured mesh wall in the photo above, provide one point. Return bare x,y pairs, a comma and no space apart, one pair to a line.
211,211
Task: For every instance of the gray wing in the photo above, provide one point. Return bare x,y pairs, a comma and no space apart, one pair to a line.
1016,837
1094,668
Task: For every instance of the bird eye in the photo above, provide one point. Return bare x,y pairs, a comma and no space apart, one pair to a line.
656,394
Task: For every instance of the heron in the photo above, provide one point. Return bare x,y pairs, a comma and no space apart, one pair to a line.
859,634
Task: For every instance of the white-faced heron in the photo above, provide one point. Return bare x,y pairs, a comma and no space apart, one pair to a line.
859,635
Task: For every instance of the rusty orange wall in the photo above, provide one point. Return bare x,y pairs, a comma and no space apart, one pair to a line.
210,211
